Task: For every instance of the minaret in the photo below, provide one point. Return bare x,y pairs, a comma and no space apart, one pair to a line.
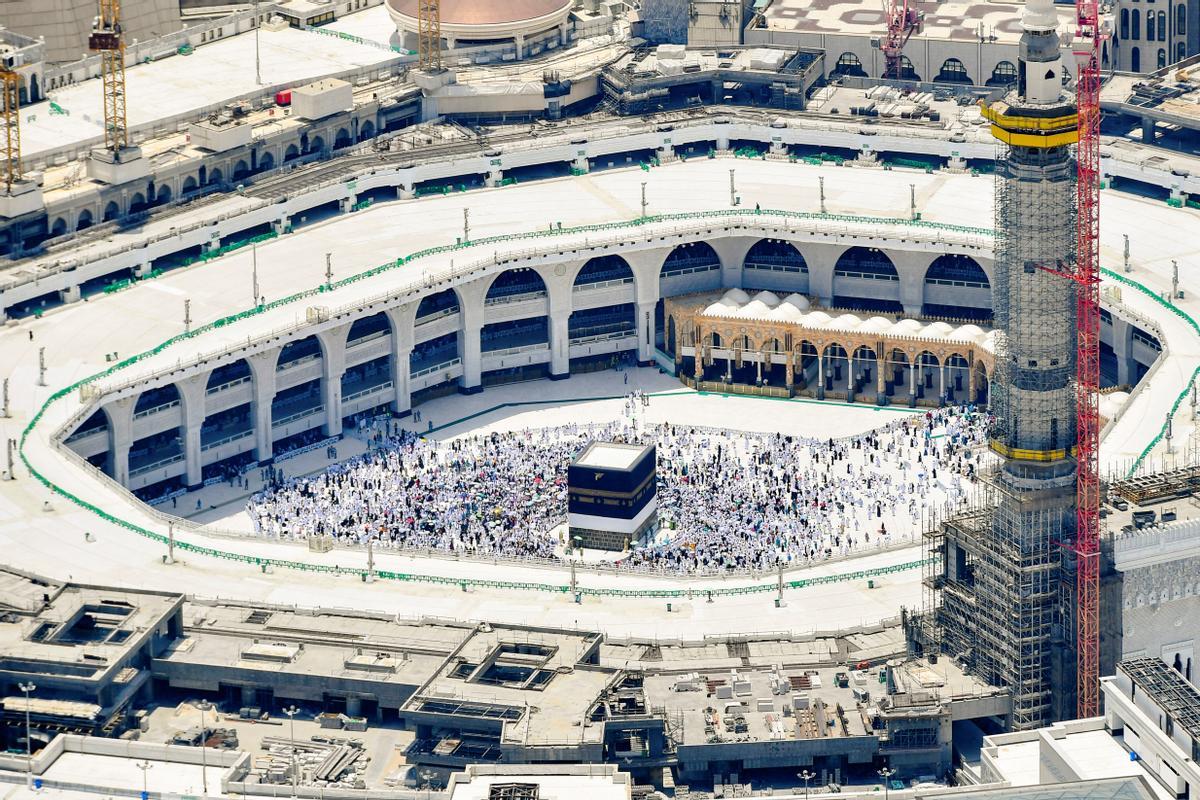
1006,573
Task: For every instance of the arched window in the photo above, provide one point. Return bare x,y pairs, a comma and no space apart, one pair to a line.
1136,19
1135,58
1180,51
952,71
1150,26
1004,74
907,71
1162,58
1124,23
849,64
1162,26
1181,20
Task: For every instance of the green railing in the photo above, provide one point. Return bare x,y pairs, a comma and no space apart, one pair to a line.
1177,311
401,261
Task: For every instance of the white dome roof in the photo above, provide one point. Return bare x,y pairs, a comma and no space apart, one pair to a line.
968,332
787,311
816,319
798,300
768,298
907,326
737,296
720,309
877,324
846,322
754,309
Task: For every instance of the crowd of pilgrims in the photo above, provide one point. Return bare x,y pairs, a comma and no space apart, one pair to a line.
727,500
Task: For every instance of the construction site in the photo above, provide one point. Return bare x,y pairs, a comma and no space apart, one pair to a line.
272,246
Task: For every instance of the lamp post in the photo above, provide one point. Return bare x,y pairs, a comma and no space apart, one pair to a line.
27,688
203,705
291,712
643,199
806,776
145,767
886,773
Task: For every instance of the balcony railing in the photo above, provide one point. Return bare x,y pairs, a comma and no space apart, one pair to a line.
147,412
445,365
279,423
223,387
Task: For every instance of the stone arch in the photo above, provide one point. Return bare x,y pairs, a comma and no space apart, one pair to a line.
342,139
848,65
156,398
240,170
689,258
602,269
897,373
982,383
445,302
59,227
299,349
866,279
190,184
775,264
238,371
366,130
928,366
137,203
368,326
215,177
1003,74
111,211
957,286
164,195
316,144
291,153
512,283
907,71
266,162
85,220
953,71
958,378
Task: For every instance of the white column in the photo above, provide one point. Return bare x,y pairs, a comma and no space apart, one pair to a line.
645,332
120,438
263,365
560,302
333,367
471,299
402,320
192,394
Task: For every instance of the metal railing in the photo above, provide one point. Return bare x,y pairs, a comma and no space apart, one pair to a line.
155,409
369,390
166,462
596,286
279,423
227,385
454,362
515,298
228,439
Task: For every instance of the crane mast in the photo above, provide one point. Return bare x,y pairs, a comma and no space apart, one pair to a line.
903,20
10,83
429,35
106,40
1087,276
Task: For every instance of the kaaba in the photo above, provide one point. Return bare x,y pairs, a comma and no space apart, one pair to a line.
612,495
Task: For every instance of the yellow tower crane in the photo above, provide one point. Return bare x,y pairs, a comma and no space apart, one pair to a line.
106,40
10,83
429,35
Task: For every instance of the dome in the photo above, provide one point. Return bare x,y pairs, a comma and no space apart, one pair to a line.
968,332
485,12
907,327
847,322
720,310
787,312
755,309
799,301
767,298
816,319
736,296
877,324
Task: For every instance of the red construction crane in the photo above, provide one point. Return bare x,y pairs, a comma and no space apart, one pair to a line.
903,20
1087,276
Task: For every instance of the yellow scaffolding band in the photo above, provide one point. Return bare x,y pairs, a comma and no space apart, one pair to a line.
997,113
1017,454
1035,139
